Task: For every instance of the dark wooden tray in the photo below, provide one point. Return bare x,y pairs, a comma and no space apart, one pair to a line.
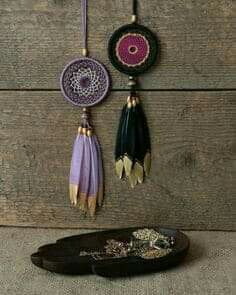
63,256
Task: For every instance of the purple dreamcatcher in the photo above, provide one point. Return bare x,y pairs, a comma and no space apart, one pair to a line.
85,82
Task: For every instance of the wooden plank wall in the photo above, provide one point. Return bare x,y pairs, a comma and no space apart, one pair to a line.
189,100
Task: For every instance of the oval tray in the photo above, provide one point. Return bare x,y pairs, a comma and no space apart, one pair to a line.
63,256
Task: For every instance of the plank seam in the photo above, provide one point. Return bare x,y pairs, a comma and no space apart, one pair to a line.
127,90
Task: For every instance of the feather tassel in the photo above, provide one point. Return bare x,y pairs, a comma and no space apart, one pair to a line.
133,148
86,173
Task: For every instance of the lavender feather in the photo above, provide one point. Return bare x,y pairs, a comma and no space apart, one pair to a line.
76,161
93,190
76,166
86,169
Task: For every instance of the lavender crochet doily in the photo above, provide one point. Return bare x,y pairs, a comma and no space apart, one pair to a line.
84,82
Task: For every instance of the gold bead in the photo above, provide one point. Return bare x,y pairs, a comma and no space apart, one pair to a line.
133,18
128,99
84,52
80,130
84,131
131,83
89,132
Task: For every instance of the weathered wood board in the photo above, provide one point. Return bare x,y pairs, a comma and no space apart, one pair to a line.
197,41
192,182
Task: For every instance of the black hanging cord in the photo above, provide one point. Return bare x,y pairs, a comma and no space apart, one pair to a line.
135,6
134,10
132,85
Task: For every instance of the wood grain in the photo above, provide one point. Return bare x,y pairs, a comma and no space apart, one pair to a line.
191,185
197,41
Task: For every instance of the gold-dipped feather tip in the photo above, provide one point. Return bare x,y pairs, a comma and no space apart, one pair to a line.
133,180
119,166
83,202
147,163
73,192
127,165
138,172
100,195
92,202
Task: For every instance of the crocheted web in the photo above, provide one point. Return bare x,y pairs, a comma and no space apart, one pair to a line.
133,49
84,82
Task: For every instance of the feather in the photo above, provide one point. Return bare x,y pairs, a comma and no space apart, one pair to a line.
119,143
119,168
129,134
127,165
145,127
75,170
100,173
147,163
129,139
93,186
141,146
85,175
132,179
144,152
138,172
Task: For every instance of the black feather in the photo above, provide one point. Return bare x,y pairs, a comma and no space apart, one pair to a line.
119,141
141,146
146,134
129,134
